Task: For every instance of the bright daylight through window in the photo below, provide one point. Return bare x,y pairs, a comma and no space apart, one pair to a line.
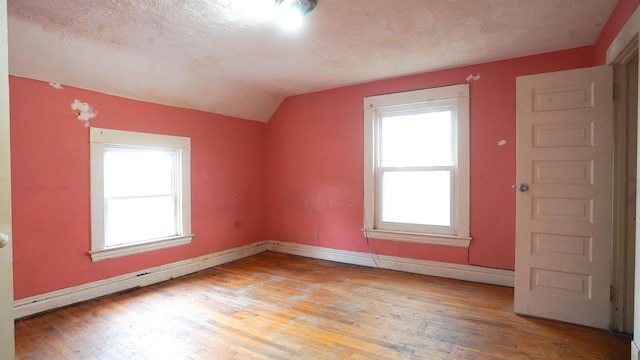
417,166
140,192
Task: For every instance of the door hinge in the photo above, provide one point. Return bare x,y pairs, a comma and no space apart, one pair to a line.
612,293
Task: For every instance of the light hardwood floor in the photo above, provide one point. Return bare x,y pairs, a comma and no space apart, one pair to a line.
277,306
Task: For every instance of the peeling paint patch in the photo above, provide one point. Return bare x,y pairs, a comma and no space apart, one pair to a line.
502,142
473,77
85,111
56,86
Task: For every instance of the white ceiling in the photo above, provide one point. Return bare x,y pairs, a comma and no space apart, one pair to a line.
231,57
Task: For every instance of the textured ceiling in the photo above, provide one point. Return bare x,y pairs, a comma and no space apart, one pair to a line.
231,57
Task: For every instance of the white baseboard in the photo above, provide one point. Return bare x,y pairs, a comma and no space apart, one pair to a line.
424,267
59,298
635,350
55,299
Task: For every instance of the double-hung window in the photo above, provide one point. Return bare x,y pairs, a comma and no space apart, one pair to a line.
416,169
140,192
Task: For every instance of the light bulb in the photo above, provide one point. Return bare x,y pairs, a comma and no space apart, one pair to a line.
291,17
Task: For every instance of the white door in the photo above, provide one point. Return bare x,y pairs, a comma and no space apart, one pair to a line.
563,220
6,277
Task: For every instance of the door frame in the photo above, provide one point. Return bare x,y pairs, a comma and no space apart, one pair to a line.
623,254
625,36
7,343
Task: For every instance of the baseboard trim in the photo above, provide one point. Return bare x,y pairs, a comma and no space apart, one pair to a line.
635,350
59,298
433,268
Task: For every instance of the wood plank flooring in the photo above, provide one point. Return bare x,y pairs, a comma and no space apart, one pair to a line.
277,306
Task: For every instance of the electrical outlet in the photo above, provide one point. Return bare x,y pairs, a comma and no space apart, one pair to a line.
316,233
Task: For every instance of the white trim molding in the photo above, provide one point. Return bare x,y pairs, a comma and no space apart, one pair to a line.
453,99
136,248
424,267
626,35
104,141
444,240
59,298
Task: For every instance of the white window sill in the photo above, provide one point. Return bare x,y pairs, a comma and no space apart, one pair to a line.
137,248
431,239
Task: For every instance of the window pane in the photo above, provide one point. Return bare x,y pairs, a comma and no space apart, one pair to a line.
137,219
416,140
414,197
137,172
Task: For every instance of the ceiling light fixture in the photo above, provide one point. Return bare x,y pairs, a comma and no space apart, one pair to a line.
293,11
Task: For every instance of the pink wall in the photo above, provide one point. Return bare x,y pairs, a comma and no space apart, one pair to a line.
251,181
50,175
315,152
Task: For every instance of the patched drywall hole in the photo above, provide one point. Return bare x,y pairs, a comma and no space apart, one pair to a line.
502,142
599,22
56,86
85,111
473,77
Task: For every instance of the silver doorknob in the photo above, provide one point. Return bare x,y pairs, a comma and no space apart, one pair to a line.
4,240
521,187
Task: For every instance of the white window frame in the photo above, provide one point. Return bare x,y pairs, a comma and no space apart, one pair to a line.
458,235
99,138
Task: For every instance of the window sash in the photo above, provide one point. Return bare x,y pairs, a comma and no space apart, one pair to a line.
138,169
425,107
383,115
143,230
380,223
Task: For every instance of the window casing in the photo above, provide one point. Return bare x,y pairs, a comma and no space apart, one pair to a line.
416,171
140,192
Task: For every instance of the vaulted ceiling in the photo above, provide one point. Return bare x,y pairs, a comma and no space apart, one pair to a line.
231,57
